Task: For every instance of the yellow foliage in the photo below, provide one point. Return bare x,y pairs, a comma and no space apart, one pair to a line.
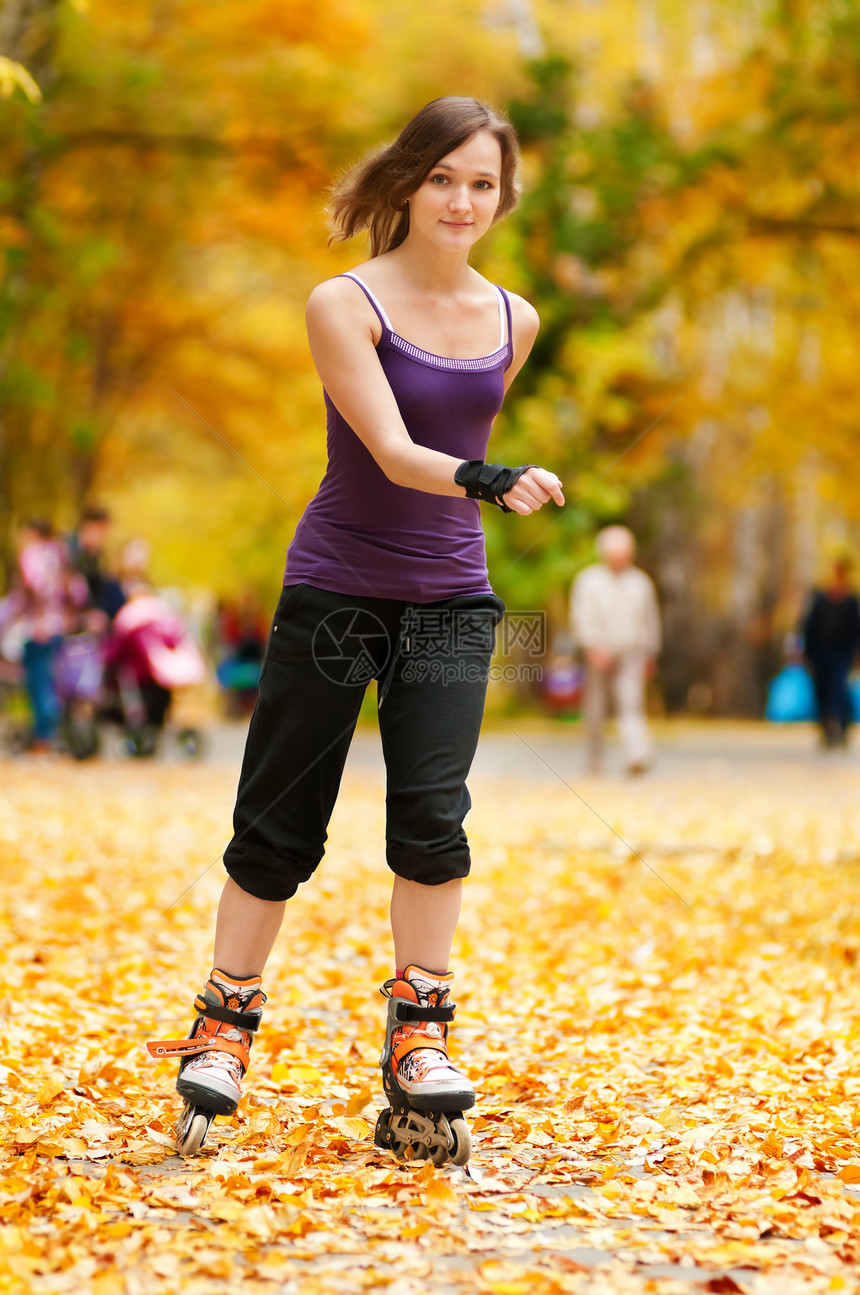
15,77
645,1069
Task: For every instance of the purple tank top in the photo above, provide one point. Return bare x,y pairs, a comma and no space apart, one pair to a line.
363,534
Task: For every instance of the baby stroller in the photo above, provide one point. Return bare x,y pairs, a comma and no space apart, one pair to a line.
79,680
129,677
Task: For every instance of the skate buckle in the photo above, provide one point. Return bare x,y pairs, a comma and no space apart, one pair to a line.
407,1013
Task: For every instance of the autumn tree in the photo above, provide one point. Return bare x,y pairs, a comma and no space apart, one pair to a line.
688,233
693,260
153,336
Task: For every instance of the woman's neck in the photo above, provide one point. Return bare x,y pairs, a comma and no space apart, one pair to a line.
430,269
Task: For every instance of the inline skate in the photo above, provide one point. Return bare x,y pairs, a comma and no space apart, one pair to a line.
427,1094
214,1057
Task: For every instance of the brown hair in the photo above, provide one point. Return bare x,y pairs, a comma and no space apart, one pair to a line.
373,194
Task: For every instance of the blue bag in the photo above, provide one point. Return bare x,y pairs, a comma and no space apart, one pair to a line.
854,689
791,696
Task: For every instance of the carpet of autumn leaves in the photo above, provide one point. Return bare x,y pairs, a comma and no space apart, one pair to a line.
665,1047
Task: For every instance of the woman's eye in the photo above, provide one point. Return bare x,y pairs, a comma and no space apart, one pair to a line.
483,184
438,179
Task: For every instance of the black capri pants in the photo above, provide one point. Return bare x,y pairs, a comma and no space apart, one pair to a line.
431,661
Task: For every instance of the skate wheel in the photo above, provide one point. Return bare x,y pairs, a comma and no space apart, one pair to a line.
462,1148
189,742
382,1135
191,1132
397,1132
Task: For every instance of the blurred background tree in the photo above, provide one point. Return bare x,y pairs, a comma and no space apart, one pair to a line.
688,232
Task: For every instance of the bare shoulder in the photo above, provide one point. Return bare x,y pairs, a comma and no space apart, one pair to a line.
337,303
525,323
334,294
525,318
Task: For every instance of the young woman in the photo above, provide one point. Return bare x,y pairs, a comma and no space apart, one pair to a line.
387,578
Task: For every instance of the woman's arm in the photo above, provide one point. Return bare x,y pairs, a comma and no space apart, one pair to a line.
525,323
342,331
537,486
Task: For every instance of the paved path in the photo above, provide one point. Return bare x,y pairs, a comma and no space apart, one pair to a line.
540,750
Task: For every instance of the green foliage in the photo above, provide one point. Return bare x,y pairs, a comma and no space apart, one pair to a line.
161,219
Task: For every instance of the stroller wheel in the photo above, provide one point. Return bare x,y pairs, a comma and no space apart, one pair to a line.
81,739
17,741
139,743
190,744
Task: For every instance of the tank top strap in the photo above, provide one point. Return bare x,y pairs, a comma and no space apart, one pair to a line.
505,321
371,297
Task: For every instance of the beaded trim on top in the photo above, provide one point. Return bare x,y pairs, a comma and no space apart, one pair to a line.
444,361
414,352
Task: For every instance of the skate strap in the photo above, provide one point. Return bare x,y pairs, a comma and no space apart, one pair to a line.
403,1010
413,1042
244,1020
172,1048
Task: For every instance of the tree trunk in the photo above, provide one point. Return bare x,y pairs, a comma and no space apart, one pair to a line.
28,31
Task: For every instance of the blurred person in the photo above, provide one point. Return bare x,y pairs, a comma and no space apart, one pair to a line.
616,623
134,560
44,600
831,642
240,632
562,684
241,629
415,351
87,557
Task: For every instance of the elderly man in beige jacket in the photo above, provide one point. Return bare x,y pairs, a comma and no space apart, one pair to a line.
616,622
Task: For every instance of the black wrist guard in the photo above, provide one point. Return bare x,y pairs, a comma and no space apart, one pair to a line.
489,481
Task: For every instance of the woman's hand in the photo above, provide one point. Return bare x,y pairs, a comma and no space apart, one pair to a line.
534,489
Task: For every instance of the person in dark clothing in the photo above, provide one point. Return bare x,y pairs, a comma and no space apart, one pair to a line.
86,553
831,641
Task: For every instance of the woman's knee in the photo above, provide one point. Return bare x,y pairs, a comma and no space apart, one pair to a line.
428,865
269,877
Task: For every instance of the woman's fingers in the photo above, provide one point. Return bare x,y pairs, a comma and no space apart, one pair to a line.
534,488
549,482
524,502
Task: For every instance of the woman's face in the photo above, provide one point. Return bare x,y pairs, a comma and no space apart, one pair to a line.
457,202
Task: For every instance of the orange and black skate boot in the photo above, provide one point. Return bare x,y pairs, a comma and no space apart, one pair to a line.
214,1057
427,1093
